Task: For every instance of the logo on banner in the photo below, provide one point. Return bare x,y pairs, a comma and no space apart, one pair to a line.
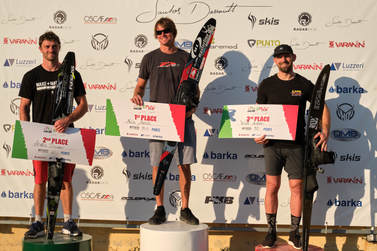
100,86
251,200
221,63
348,90
256,178
346,67
129,63
98,130
249,88
353,180
60,17
99,20
142,176
345,203
219,177
8,40
12,85
350,157
227,155
175,199
97,172
254,156
99,65
345,134
269,21
266,21
253,20
97,108
126,173
304,19
101,152
211,132
20,62
343,22
303,44
7,149
12,19
8,127
357,44
96,196
345,111
210,111
135,154
136,199
100,41
183,44
141,41
9,62
5,172
219,200
175,177
263,43
17,195
308,66
225,47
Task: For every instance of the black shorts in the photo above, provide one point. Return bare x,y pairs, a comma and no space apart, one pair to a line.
292,159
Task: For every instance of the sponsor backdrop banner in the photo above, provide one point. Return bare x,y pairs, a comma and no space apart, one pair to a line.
228,182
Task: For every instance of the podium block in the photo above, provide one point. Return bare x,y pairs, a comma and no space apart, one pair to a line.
175,236
60,242
283,246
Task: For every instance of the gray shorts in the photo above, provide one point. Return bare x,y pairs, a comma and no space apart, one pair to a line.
291,159
185,154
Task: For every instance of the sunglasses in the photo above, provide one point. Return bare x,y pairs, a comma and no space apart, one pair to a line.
166,31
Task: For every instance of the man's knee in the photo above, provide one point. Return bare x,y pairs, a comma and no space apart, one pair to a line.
296,185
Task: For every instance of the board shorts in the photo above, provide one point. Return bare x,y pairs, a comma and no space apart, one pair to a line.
292,159
185,154
41,171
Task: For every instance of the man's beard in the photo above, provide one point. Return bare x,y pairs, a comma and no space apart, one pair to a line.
51,57
286,69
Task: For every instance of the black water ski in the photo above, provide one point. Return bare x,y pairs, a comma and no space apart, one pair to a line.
313,155
63,104
186,94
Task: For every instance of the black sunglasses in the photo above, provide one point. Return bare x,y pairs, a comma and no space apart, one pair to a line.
166,31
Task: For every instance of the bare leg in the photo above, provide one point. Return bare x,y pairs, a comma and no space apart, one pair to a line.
272,189
39,198
185,184
296,196
66,197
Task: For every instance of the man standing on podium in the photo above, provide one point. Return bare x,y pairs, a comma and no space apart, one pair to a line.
163,67
37,91
287,87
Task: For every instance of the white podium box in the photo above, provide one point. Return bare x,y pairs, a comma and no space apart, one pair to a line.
173,236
